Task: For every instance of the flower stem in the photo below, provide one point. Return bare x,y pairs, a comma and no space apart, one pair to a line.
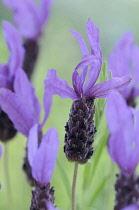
7,176
74,186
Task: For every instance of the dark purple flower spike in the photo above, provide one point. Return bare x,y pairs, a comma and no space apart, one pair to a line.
123,147
7,75
125,60
80,128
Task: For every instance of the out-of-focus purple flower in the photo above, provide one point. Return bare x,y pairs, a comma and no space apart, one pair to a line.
50,206
123,125
14,42
125,60
131,207
42,159
92,59
29,16
0,150
22,105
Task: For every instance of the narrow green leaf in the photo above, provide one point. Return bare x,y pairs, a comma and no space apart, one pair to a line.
64,178
98,190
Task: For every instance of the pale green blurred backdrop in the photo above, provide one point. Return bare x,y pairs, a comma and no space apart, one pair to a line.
59,50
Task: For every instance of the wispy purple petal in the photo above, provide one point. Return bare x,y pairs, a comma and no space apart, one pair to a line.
93,38
14,42
101,90
76,82
117,109
82,44
120,59
59,86
17,112
26,92
45,158
32,144
47,102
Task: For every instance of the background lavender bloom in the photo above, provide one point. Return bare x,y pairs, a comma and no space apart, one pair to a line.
42,160
14,42
29,16
92,59
124,137
125,60
22,106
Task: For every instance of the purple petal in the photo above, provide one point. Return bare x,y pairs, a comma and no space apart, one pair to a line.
131,207
76,82
26,93
93,75
32,144
0,150
93,38
50,206
123,142
59,86
17,112
101,90
45,10
123,149
135,72
117,111
47,103
14,43
26,16
82,44
120,59
45,158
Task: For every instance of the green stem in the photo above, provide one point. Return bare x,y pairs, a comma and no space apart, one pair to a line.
7,176
74,186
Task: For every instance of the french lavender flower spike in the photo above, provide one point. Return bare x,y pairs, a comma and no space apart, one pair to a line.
7,75
30,18
123,148
80,127
42,160
22,105
124,54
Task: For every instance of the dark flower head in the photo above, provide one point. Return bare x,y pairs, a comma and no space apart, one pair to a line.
29,16
123,124
125,60
91,66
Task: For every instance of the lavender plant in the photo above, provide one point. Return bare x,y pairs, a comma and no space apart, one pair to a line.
123,60
123,149
30,19
7,75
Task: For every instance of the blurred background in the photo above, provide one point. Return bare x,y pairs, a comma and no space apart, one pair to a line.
59,50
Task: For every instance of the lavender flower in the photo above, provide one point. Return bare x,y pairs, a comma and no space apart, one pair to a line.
14,42
42,160
29,17
123,145
23,108
125,60
80,127
7,75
